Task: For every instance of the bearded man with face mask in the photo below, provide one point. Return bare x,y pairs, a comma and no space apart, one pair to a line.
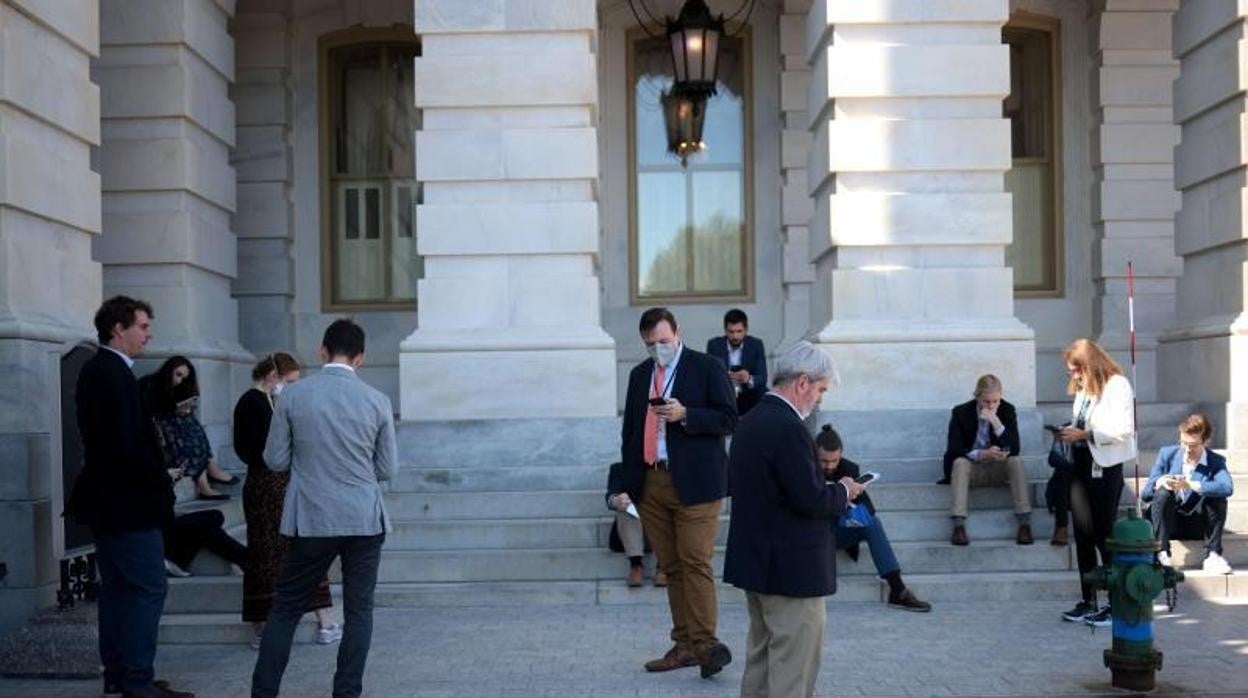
678,410
781,547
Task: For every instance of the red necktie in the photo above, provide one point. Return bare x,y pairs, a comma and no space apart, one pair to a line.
650,440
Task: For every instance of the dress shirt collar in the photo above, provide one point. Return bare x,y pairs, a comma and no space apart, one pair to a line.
124,357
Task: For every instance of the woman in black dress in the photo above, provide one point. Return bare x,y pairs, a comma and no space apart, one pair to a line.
263,495
171,396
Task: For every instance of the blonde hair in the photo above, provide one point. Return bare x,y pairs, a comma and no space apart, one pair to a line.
987,383
1097,367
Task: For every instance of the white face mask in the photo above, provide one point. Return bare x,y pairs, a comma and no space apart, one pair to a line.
278,387
663,353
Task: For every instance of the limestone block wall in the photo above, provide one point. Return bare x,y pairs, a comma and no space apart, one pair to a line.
910,218
49,286
262,159
508,309
1135,200
797,207
169,188
1204,357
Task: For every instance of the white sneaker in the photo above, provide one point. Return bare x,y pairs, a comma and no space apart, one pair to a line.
1163,559
329,634
173,570
1216,564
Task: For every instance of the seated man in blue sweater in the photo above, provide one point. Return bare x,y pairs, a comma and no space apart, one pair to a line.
1188,489
848,538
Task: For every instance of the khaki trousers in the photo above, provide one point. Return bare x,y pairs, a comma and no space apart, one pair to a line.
784,645
632,537
967,474
683,539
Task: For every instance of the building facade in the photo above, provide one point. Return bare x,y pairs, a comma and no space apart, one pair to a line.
929,189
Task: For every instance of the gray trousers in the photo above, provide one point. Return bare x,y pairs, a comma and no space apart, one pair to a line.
631,535
784,645
306,564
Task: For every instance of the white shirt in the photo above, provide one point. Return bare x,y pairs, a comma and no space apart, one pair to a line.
124,357
335,364
734,359
1189,468
669,378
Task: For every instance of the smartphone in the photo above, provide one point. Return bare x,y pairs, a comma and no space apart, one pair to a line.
1053,428
866,477
734,369
658,401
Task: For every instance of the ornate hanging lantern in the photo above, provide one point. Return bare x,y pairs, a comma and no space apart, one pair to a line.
694,39
684,115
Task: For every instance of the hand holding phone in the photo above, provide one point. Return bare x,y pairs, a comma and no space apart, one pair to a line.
866,477
658,401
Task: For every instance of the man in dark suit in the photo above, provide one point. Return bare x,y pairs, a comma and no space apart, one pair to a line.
745,358
125,495
781,549
983,449
677,412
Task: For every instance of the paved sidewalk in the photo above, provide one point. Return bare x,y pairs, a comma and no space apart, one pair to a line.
995,649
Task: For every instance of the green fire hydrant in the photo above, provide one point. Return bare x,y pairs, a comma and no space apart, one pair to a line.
1134,580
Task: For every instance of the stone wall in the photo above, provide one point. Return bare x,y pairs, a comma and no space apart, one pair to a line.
1204,357
49,286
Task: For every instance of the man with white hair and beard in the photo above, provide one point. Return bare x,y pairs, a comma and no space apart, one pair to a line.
781,549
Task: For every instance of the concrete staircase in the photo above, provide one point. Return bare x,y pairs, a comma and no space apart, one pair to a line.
490,514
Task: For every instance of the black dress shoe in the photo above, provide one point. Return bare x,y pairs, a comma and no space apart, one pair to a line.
717,657
231,480
212,497
943,481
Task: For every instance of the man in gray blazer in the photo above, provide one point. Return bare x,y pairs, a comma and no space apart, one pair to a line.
335,434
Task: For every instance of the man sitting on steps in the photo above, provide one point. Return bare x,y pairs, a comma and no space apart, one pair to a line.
983,448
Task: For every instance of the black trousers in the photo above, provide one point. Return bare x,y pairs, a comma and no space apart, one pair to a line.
1169,524
306,564
201,530
1094,506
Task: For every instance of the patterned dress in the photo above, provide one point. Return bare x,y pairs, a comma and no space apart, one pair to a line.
263,495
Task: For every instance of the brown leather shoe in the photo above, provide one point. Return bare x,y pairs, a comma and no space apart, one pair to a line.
660,577
1059,536
1024,535
676,658
634,575
959,536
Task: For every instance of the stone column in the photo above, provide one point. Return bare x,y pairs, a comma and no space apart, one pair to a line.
796,206
508,311
264,219
1134,201
911,293
1204,357
49,286
165,69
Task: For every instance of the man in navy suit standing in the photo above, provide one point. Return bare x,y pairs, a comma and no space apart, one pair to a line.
678,410
781,549
745,358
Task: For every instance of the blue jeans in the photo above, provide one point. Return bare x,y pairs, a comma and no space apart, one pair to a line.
132,597
307,561
877,541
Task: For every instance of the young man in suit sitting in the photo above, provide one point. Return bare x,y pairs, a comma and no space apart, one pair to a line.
983,449
744,357
1187,491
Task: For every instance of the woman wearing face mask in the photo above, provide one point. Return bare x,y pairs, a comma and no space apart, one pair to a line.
172,397
263,495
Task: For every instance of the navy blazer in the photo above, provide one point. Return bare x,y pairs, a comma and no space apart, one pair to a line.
780,537
1214,477
123,485
753,359
963,425
695,449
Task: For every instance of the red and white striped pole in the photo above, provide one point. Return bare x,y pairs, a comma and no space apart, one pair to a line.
1135,384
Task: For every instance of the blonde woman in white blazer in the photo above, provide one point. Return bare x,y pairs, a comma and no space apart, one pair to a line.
1102,438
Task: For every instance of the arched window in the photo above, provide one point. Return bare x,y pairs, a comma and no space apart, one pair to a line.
1033,108
689,227
369,189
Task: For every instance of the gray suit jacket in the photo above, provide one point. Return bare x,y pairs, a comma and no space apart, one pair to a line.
335,434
